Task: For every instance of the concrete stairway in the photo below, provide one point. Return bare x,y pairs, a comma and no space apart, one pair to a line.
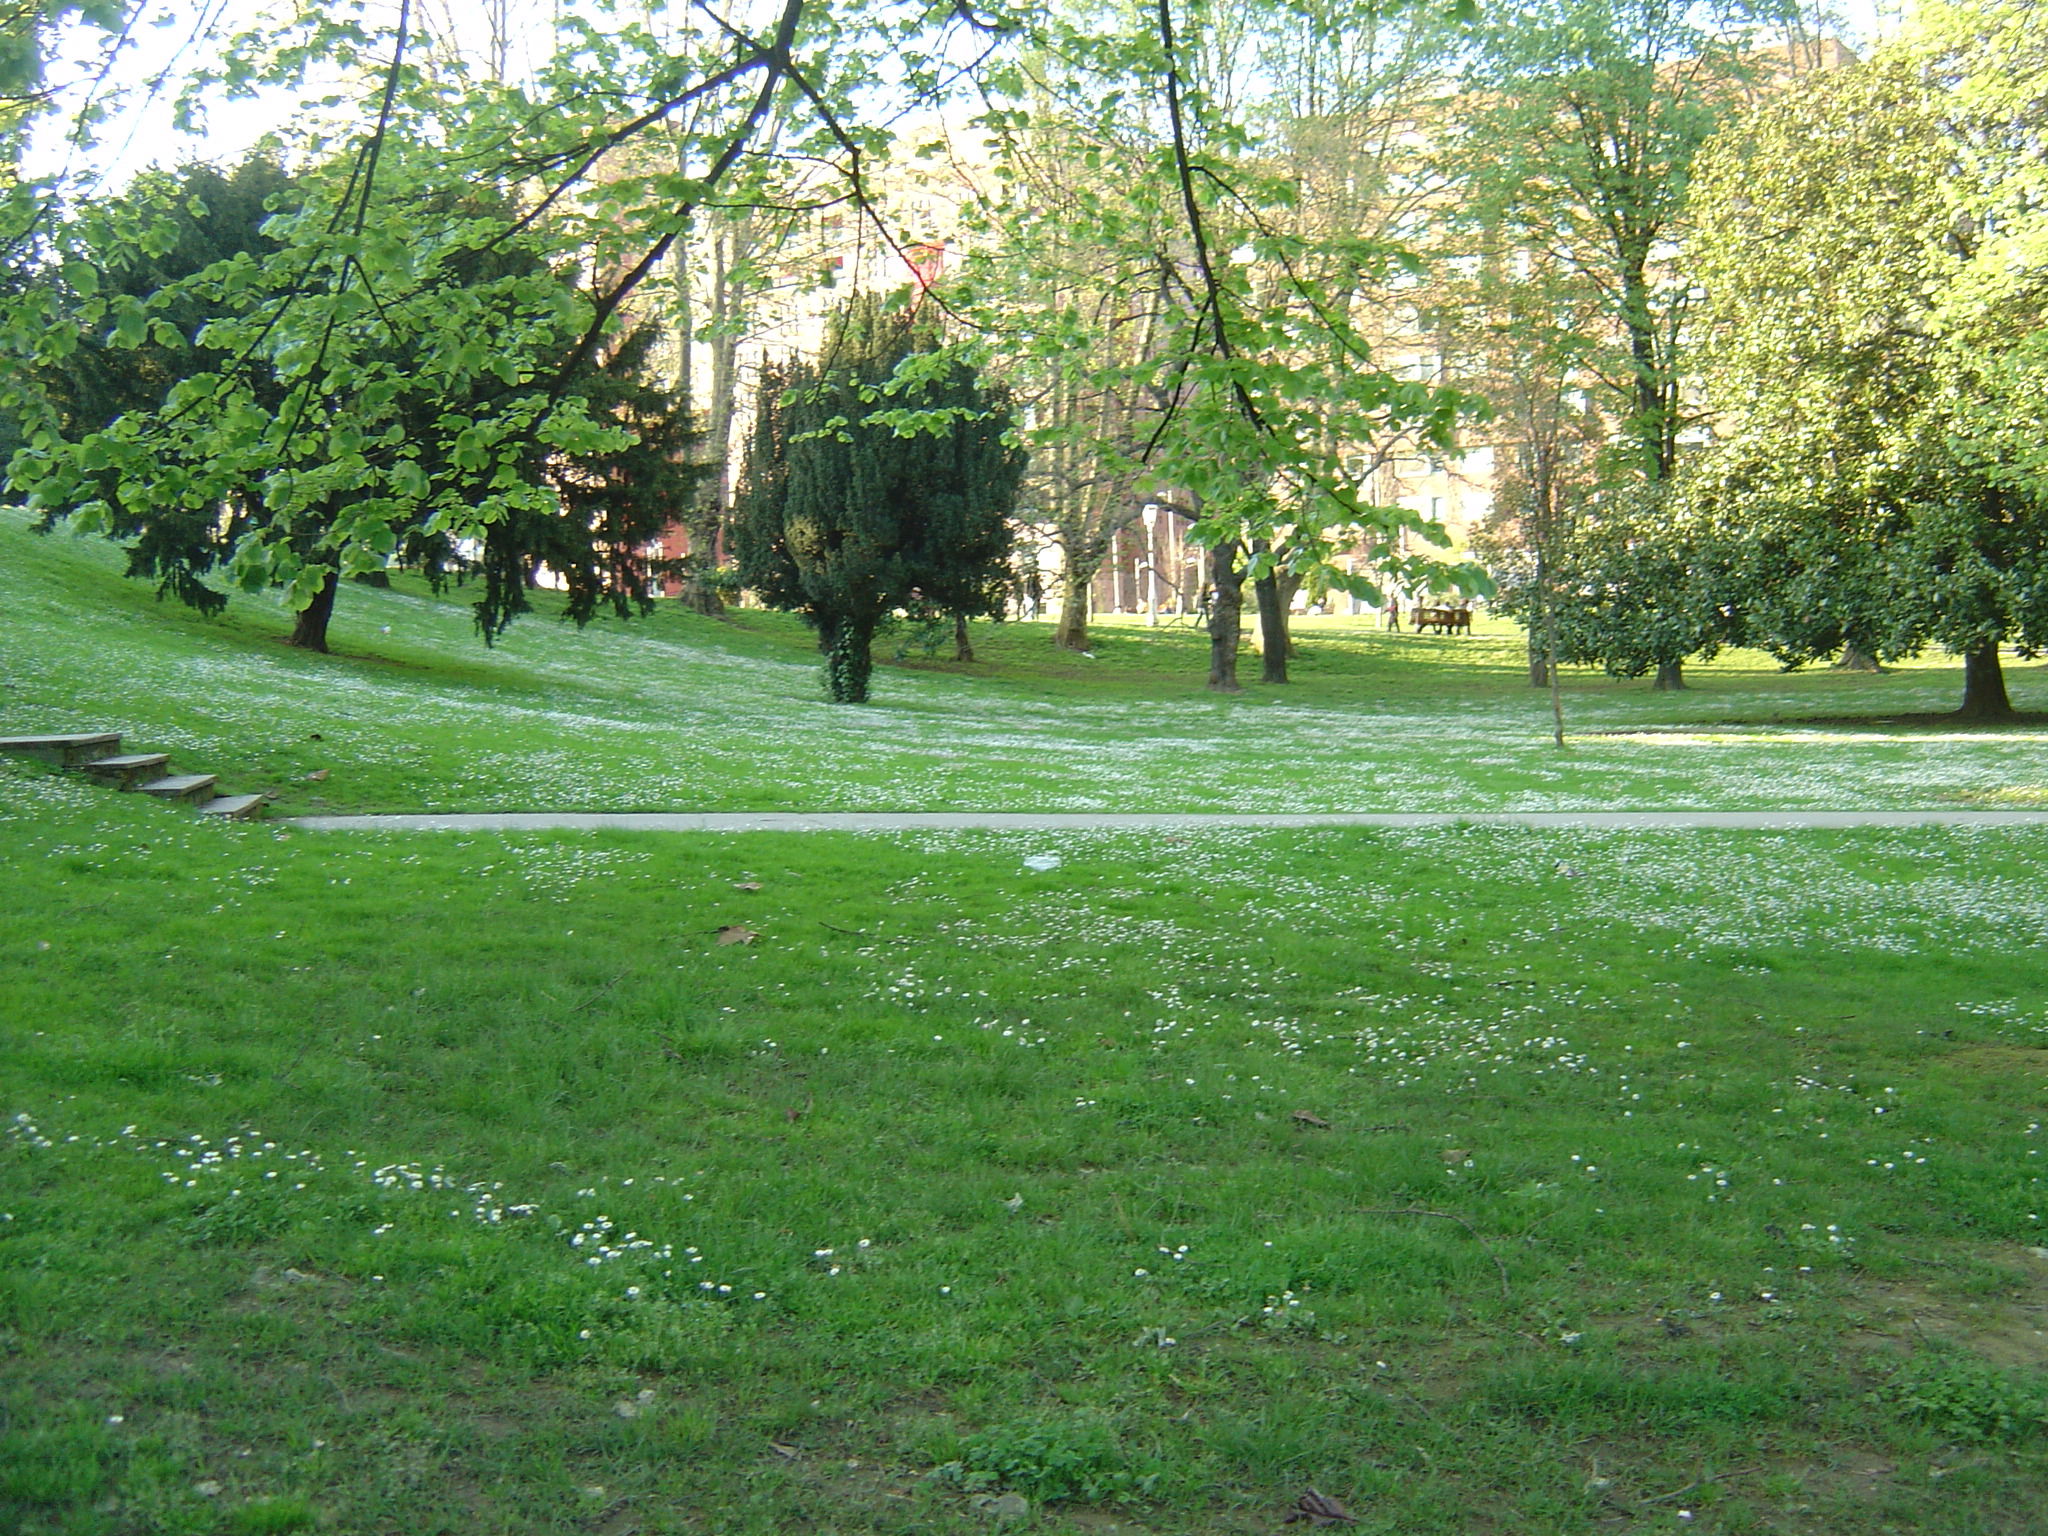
98,754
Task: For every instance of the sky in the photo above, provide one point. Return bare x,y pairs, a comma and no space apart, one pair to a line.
175,34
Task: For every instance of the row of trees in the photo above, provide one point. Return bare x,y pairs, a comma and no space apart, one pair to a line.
1236,260
405,361
1862,265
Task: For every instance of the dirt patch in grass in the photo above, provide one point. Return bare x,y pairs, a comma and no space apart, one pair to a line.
2010,1332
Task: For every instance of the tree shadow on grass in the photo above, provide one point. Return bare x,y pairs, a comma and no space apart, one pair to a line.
1942,721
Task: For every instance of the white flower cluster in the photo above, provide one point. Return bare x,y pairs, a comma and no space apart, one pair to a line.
599,1246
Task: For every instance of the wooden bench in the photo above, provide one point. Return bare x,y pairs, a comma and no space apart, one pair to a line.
1444,621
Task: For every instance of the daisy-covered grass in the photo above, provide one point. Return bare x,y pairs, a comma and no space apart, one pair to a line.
679,712
1481,1179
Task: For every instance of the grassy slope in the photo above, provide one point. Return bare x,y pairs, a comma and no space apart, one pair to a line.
1731,1146
688,713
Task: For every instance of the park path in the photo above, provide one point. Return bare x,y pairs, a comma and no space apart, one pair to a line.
1161,821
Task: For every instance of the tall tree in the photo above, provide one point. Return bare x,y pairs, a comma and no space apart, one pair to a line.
1873,455
1585,119
1246,382
879,477
1521,336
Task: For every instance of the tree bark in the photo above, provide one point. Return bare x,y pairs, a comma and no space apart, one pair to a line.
309,629
1984,696
849,659
1290,584
1856,659
1670,677
963,649
1654,429
1272,629
1226,579
1071,633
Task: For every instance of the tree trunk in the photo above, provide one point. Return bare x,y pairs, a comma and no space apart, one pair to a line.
1984,696
1290,584
309,629
694,589
1226,579
962,649
849,659
1539,663
1653,427
1856,659
1272,629
1071,633
1550,670
711,507
1670,677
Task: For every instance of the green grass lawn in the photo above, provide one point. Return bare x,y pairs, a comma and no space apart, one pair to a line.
685,713
1485,1180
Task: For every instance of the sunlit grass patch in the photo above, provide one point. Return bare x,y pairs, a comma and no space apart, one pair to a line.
680,712
1467,1176
1479,1178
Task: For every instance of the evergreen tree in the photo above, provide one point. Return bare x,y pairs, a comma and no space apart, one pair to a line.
172,229
612,505
177,254
878,478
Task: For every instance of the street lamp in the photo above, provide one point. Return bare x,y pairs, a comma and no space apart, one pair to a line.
1151,564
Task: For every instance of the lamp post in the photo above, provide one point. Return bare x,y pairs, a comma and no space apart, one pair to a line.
1151,565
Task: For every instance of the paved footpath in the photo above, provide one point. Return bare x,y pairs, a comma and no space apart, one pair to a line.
1165,821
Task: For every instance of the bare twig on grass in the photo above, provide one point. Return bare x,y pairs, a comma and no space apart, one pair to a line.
598,996
1700,1482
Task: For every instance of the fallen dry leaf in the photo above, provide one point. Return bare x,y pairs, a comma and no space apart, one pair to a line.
1313,1508
1455,1154
746,885
317,775
1308,1117
733,933
784,1450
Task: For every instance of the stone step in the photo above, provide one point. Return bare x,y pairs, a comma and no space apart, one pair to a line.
130,769
65,751
235,807
182,786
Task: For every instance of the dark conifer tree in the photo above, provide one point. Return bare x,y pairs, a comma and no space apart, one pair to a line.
849,510
611,507
173,242
198,216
